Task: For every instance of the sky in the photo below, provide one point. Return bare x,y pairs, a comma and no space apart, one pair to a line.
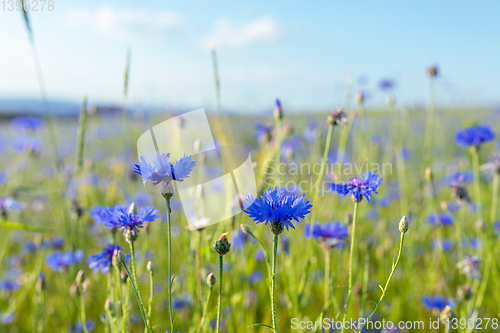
303,53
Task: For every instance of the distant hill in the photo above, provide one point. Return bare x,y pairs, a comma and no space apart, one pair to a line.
16,106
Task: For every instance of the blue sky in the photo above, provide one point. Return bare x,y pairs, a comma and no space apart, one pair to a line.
301,52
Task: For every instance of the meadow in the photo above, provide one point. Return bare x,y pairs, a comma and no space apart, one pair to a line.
445,184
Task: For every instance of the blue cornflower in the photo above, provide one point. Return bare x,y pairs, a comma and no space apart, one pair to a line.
7,318
311,132
28,143
263,132
289,146
277,208
386,84
259,255
444,219
331,234
123,218
435,302
78,327
359,187
27,123
102,261
493,165
458,177
8,285
3,178
446,244
59,261
474,136
163,171
239,239
10,205
255,277
182,301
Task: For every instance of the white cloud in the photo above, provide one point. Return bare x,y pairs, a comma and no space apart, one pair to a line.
227,33
116,21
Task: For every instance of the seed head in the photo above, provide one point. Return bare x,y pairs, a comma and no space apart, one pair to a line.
337,117
432,71
222,245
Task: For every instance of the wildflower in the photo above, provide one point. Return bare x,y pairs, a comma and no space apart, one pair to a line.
386,84
277,208
7,318
473,242
435,302
359,187
29,144
10,205
470,267
239,239
26,123
78,327
278,111
446,244
458,177
311,132
3,178
59,261
263,132
403,225
259,255
8,285
337,117
493,165
289,146
103,260
162,171
211,280
124,219
432,71
459,192
475,135
443,218
182,301
255,277
331,235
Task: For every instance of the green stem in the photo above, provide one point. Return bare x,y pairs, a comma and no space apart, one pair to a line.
313,209
277,156
494,198
151,292
83,316
384,290
198,266
273,284
351,255
327,278
205,310
169,246
219,301
138,296
477,186
135,284
429,127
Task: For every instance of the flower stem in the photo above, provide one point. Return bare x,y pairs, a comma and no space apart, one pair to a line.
219,301
198,266
137,295
151,292
83,316
384,290
351,255
205,310
477,187
313,209
273,283
327,278
494,198
169,246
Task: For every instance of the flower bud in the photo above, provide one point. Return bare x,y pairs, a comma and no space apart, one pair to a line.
245,228
222,245
428,174
403,225
123,277
80,278
120,256
130,235
278,111
446,314
211,280
150,267
107,305
432,71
